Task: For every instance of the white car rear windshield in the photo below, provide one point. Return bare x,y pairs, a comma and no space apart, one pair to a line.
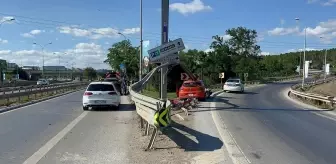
233,81
100,87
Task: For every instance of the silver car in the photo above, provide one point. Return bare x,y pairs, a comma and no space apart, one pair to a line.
101,94
42,82
233,85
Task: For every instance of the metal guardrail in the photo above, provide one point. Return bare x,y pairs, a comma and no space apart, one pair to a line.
147,107
40,89
320,99
10,89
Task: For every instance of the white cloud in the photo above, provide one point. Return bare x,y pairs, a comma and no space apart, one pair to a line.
208,50
6,19
3,41
145,43
283,31
32,33
128,31
329,3
5,52
265,53
83,55
301,50
97,33
226,37
326,30
35,32
191,7
27,35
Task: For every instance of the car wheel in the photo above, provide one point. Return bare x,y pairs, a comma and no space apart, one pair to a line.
85,108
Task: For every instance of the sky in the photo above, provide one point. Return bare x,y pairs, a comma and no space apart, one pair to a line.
79,33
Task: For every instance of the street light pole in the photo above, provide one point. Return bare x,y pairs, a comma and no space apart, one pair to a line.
304,56
141,43
42,47
304,53
325,62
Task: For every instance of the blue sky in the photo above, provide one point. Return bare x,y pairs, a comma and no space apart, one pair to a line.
81,31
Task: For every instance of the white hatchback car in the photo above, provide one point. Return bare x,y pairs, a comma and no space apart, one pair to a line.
234,85
101,94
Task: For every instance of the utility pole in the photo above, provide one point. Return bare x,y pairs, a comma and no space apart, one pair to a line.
164,39
304,57
141,43
59,66
325,64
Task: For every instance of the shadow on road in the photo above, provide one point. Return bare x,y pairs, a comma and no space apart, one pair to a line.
122,107
182,135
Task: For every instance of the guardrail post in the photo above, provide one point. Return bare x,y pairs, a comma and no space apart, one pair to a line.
151,142
141,122
147,129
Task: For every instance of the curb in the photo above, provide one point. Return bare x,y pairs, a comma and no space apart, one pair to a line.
35,101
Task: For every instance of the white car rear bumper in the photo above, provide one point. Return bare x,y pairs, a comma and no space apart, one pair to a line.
100,102
232,88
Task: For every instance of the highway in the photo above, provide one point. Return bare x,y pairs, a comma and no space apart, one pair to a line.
44,130
270,129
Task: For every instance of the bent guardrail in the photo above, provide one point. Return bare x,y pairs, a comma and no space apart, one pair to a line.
155,112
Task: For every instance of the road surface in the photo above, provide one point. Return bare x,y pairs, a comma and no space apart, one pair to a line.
270,129
25,133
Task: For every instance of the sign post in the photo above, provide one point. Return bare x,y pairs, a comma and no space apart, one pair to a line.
164,39
221,76
245,76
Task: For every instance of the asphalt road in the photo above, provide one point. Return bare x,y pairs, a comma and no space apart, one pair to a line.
25,130
270,129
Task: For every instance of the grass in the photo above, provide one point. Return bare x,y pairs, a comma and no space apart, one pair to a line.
155,94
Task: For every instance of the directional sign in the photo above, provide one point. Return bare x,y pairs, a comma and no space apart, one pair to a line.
162,115
168,49
184,76
221,75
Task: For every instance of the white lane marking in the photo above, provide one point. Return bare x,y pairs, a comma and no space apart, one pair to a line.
58,97
37,156
305,106
235,152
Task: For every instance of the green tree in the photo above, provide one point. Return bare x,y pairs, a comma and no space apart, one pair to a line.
90,73
124,52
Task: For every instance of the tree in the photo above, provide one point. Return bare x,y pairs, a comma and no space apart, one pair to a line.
124,52
90,73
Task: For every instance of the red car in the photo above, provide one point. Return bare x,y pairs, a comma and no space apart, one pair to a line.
192,89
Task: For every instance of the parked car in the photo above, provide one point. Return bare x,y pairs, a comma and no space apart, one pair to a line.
233,85
42,82
101,94
192,89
